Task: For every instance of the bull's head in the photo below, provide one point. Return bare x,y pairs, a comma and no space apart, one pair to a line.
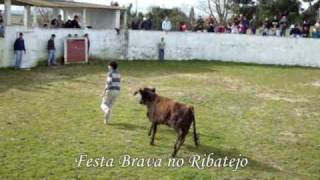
147,95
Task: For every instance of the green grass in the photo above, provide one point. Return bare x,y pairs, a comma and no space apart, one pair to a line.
269,114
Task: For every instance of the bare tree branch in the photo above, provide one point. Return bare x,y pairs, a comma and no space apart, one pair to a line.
221,8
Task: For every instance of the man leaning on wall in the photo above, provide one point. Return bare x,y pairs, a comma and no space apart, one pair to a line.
1,25
19,49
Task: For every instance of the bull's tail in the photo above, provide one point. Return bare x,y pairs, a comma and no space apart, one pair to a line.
195,135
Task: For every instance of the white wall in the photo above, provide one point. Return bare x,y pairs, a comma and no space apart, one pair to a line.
105,44
226,47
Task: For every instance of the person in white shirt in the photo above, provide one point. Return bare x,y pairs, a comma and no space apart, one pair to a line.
166,25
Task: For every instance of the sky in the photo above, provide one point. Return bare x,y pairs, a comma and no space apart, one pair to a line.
143,5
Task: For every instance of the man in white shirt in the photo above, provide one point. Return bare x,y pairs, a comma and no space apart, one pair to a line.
166,25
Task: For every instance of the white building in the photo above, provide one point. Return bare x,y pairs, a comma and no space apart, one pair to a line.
101,19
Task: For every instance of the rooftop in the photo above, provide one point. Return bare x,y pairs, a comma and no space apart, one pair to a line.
61,4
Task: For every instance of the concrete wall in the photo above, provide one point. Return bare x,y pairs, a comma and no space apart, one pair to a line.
226,47
105,44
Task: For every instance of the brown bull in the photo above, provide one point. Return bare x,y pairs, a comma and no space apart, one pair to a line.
162,110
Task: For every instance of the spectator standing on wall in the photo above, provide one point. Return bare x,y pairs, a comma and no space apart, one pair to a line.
305,29
146,23
75,22
254,24
200,24
161,48
275,26
275,22
267,25
234,28
295,31
52,51
228,28
135,25
19,49
245,25
166,25
1,27
283,25
59,22
210,28
316,30
183,27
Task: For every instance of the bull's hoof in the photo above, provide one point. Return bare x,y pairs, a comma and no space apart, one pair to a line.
173,155
152,143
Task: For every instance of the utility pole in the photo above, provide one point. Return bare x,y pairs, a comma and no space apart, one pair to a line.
137,8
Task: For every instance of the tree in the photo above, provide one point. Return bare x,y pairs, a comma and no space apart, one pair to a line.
192,18
219,8
46,15
290,8
311,14
175,15
309,1
224,8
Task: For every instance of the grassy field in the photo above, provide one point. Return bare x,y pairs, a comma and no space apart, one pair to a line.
269,114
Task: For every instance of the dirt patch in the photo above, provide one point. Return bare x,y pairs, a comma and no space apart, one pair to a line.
315,84
278,97
292,137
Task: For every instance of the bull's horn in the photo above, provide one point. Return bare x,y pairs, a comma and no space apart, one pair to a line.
136,92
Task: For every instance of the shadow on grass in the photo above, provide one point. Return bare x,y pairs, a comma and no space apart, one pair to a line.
204,148
231,153
126,126
38,77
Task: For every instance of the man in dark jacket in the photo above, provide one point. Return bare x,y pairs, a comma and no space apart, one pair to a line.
305,29
52,51
19,48
295,31
75,22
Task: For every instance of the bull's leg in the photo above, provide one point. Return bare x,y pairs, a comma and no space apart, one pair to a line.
151,128
154,131
180,140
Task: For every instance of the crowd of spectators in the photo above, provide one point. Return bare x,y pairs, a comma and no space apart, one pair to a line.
269,27
275,26
59,23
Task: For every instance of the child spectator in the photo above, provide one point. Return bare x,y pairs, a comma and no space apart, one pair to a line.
111,91
254,24
19,48
234,28
161,47
283,25
52,51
